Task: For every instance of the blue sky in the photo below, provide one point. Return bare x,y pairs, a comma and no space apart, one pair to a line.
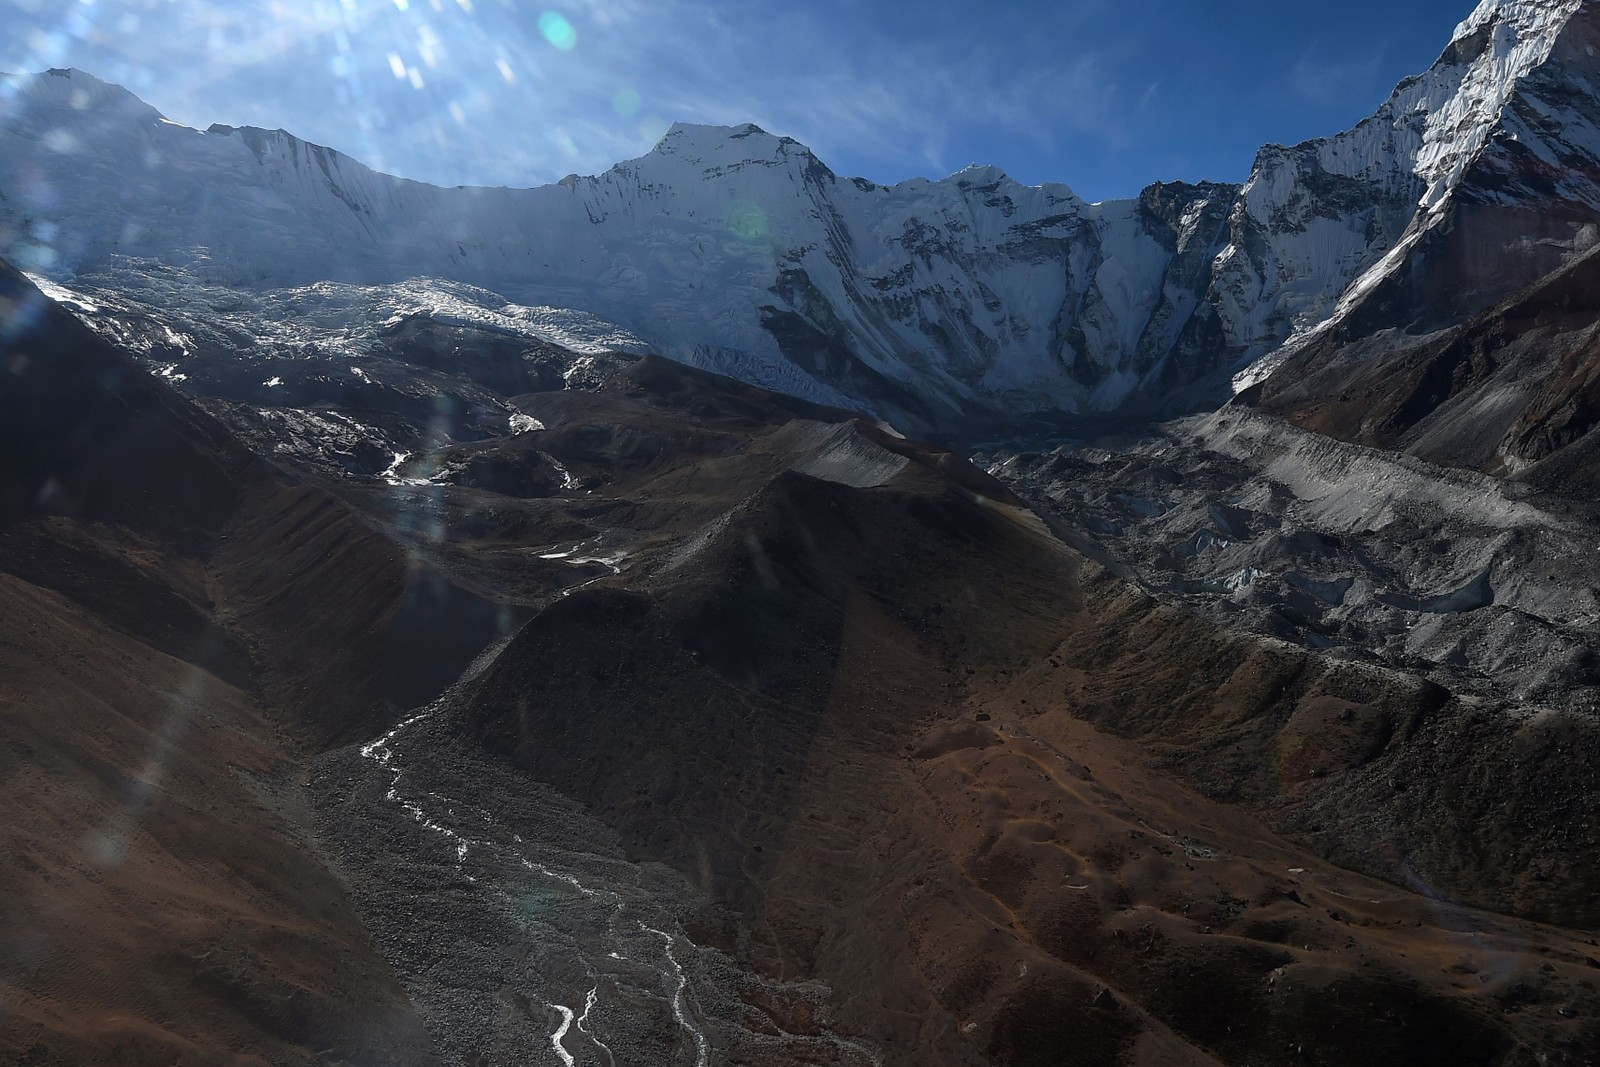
1104,95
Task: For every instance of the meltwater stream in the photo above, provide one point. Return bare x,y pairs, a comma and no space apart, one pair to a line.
589,914
502,905
522,933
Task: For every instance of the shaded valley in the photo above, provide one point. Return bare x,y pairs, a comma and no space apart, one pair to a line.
787,741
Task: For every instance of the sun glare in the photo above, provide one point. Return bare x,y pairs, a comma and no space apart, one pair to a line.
421,88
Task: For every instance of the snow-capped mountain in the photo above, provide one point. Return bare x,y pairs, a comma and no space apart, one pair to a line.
1485,172
739,251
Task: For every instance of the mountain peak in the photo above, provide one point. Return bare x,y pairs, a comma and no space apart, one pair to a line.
980,174
1525,16
74,88
721,144
708,129
73,73
1468,91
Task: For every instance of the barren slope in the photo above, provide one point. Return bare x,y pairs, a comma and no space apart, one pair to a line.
179,619
1506,390
883,718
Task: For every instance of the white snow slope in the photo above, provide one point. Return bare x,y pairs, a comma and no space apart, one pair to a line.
735,250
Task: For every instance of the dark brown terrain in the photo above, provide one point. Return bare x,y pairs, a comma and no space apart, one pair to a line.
1024,815
180,621
936,783
1511,391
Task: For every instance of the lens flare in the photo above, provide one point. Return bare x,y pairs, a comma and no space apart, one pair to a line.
748,222
653,129
626,103
558,31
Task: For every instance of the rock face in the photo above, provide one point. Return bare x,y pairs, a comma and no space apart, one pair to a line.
932,302
1473,345
1512,391
1508,202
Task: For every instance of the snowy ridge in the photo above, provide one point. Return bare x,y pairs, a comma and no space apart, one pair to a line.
1461,131
1398,170
927,301
1516,37
465,305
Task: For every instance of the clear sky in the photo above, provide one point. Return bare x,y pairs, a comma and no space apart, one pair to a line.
1104,95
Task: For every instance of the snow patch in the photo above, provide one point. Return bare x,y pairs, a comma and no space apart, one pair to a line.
61,294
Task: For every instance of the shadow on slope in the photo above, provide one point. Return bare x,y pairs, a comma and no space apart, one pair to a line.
173,606
919,750
1505,392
